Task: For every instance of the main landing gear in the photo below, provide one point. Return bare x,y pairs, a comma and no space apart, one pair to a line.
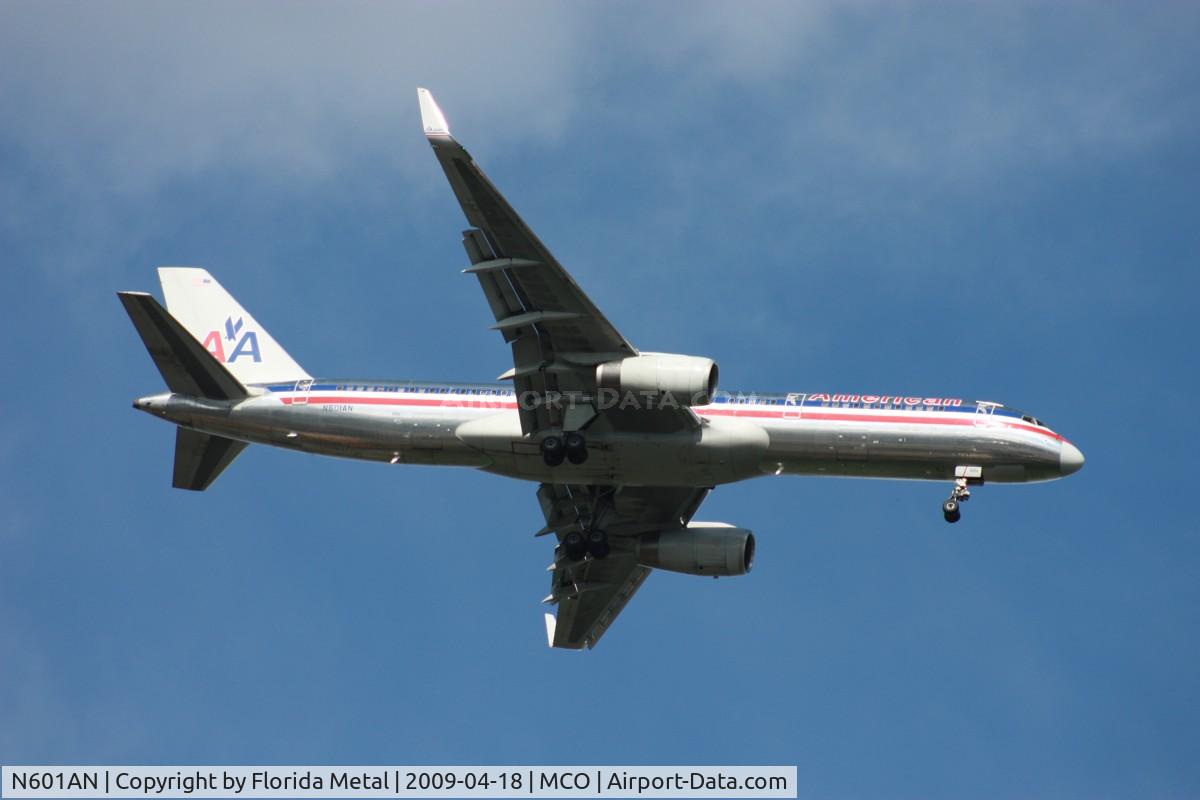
572,447
959,494
578,544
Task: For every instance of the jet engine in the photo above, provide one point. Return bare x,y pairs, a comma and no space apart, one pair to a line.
690,380
702,548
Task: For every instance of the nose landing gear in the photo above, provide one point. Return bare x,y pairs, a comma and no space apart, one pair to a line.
951,509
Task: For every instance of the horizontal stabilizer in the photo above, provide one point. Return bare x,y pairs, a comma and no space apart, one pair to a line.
186,366
201,457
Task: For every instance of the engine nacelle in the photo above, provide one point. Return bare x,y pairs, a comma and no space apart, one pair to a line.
689,380
702,548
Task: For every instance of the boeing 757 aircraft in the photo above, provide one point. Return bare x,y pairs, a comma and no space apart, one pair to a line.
624,444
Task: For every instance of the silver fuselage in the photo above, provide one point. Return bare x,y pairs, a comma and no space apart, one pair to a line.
741,436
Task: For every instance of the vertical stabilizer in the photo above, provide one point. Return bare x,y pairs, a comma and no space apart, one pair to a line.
225,329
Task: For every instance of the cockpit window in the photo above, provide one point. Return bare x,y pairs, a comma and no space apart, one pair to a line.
1033,420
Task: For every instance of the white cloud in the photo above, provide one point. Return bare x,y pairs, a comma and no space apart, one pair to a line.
108,107
132,92
108,104
951,91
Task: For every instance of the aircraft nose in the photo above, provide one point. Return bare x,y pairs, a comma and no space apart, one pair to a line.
1070,460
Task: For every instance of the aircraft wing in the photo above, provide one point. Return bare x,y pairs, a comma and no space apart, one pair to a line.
591,593
557,334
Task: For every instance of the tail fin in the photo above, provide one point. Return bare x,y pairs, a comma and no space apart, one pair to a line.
225,329
186,367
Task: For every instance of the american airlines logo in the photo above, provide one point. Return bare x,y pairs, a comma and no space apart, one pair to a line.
234,341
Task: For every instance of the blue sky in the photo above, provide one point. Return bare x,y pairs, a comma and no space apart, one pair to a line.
981,201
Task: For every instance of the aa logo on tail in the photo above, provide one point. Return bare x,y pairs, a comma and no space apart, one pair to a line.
243,344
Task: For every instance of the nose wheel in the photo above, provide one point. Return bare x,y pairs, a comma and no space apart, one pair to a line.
572,447
951,509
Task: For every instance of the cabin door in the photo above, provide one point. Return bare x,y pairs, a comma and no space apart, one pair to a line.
302,389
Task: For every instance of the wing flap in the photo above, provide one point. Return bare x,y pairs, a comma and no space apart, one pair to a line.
539,281
585,615
536,304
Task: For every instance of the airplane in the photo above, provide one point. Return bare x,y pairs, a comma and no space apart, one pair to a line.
625,444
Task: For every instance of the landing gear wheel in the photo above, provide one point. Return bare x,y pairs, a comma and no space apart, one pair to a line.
552,451
597,544
574,546
576,447
951,509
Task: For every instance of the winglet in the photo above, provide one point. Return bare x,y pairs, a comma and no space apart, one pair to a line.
432,118
551,623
